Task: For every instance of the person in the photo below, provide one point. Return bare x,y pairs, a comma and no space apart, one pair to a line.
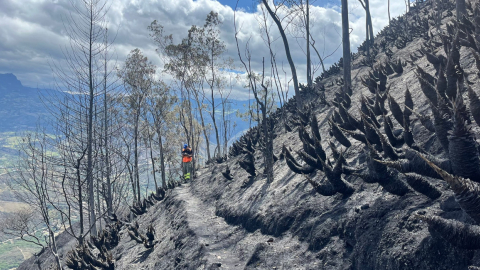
187,155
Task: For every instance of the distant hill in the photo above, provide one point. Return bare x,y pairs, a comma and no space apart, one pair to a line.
20,106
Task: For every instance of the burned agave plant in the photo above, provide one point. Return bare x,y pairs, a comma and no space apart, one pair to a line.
377,172
227,174
455,232
148,240
248,164
315,158
81,258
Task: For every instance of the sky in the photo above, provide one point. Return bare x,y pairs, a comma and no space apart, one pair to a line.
33,36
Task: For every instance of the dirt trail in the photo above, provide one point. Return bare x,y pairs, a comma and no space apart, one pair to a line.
23,254
218,237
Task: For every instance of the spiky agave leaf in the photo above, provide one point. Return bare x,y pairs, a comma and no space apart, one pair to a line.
310,160
442,126
339,136
335,152
462,146
477,61
371,117
393,185
370,132
298,169
379,106
324,188
315,128
347,101
334,175
424,119
407,134
319,150
450,70
408,104
304,136
467,192
414,164
428,90
441,86
455,232
337,118
396,110
421,185
356,135
364,105
474,105
388,126
388,150
424,75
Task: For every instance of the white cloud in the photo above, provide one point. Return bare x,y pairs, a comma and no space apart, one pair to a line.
33,33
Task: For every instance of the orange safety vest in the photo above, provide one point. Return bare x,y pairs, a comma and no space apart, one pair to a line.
186,152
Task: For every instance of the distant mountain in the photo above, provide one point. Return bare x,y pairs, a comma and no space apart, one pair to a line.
20,106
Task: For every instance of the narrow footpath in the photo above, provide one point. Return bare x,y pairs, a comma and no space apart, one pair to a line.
219,238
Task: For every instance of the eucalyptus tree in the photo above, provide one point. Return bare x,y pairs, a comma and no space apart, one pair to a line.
183,62
137,76
160,104
213,49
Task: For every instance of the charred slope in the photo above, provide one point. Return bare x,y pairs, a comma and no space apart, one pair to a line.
371,177
408,103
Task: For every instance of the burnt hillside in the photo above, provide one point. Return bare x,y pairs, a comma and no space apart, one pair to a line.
381,176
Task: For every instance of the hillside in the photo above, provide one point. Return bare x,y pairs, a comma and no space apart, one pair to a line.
369,216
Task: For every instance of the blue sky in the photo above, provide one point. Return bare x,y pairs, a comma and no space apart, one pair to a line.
250,5
247,5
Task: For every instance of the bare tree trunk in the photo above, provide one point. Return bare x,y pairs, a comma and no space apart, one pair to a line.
202,122
162,160
91,198
298,98
312,43
309,64
135,153
218,152
389,19
150,138
53,247
80,200
368,25
225,131
347,77
105,138
369,20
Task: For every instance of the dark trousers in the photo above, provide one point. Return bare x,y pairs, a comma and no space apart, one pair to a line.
187,170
